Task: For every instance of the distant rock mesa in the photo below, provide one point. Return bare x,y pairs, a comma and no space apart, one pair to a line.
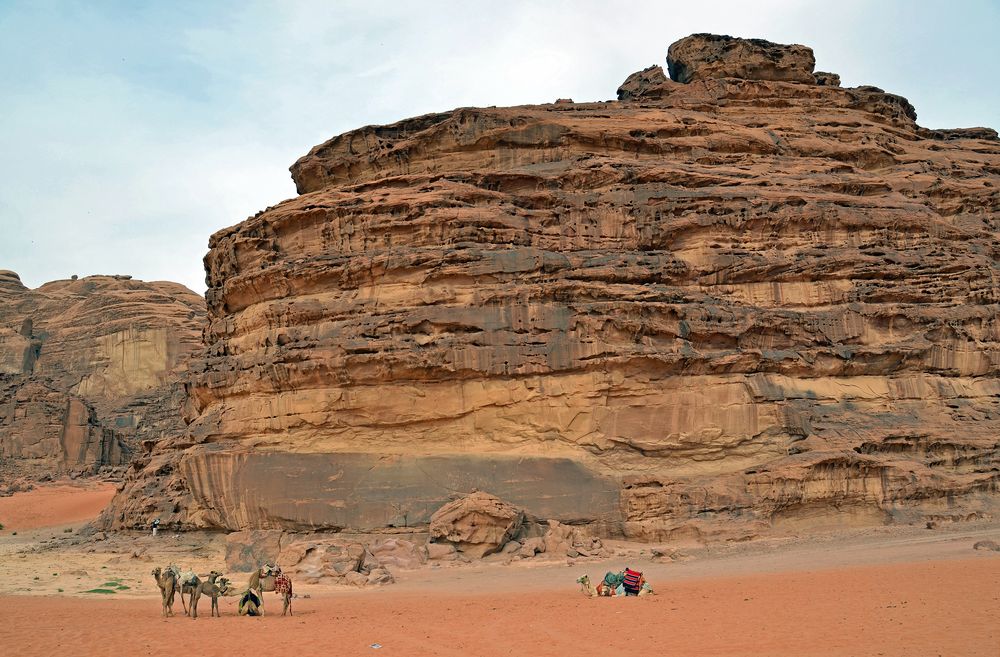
738,301
90,368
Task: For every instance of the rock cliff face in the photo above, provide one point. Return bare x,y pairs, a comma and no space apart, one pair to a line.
90,367
711,309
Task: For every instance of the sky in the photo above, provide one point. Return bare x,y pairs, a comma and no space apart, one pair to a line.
131,131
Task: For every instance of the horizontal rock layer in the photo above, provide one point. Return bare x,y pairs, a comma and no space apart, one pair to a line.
89,368
743,303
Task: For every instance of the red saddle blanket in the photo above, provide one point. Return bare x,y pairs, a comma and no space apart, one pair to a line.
282,584
633,581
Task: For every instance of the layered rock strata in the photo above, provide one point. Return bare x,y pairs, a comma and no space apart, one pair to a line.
89,368
712,309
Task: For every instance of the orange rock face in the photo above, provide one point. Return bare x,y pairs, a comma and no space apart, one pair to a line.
714,309
89,368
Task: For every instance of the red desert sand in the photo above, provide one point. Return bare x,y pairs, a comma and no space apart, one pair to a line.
937,608
52,506
919,594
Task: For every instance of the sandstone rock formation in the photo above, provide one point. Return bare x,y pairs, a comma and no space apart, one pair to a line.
742,304
354,561
88,369
827,79
640,82
476,524
565,541
707,56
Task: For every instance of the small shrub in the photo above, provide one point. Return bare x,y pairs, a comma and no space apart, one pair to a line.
101,591
68,530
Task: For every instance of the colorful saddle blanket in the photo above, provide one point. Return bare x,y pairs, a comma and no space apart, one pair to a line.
614,580
282,584
632,582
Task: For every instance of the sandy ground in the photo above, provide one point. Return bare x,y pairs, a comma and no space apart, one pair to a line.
885,591
57,505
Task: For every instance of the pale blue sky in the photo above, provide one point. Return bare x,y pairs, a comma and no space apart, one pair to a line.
131,131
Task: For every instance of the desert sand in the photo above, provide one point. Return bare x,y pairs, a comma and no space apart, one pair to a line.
55,506
882,591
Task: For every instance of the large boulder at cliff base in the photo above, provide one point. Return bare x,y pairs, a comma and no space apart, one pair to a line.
477,524
708,56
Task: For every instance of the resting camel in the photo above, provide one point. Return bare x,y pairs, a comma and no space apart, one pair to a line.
267,578
167,581
213,587
603,590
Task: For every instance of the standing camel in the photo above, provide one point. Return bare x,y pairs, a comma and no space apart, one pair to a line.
185,582
270,578
215,586
167,581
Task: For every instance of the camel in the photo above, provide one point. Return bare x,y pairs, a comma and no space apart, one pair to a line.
185,582
249,603
603,590
167,581
266,578
213,587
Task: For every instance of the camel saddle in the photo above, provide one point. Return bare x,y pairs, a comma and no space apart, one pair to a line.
632,581
282,584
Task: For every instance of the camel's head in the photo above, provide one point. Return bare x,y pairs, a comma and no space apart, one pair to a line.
156,573
585,580
270,569
226,587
